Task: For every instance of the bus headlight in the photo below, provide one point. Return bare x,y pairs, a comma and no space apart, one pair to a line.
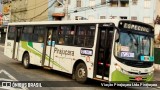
120,69
152,69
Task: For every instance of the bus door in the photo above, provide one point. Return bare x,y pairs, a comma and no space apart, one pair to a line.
16,45
50,46
105,41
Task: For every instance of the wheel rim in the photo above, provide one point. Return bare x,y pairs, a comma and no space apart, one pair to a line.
81,73
25,61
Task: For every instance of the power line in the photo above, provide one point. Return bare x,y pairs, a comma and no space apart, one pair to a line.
30,19
42,11
39,5
99,5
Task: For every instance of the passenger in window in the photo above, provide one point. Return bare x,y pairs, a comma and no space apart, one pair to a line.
61,40
69,39
49,39
40,39
72,32
49,36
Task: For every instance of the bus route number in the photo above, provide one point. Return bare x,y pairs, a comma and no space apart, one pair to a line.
127,54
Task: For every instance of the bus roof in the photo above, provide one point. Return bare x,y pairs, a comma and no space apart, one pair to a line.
115,21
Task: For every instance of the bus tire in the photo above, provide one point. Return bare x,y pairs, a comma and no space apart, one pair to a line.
26,61
81,73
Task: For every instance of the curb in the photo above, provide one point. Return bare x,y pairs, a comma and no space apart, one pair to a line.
156,88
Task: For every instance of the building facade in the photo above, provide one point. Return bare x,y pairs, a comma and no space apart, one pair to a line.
141,10
29,10
5,17
57,9
40,10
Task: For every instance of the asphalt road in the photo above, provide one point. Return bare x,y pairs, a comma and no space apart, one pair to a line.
12,70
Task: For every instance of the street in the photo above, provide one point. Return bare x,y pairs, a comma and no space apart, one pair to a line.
13,70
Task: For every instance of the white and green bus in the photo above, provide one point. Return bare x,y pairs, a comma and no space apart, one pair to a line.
106,50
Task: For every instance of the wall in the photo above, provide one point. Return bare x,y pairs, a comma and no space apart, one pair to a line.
29,10
106,10
37,10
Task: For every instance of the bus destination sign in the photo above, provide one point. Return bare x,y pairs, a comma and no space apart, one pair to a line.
135,26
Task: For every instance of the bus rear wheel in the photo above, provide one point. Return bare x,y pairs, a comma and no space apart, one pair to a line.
81,73
26,61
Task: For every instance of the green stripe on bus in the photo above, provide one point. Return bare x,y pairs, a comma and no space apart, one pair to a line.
30,44
38,53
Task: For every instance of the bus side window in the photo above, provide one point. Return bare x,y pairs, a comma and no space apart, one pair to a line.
60,37
49,37
69,37
66,35
38,35
85,35
27,33
80,36
52,36
11,33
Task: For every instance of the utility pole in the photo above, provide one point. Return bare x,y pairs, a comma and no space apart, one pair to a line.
66,9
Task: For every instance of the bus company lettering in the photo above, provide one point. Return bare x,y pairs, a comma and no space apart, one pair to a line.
135,27
63,52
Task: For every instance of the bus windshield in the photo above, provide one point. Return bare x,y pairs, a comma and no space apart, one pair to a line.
132,46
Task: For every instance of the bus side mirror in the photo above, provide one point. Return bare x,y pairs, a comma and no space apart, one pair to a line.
117,35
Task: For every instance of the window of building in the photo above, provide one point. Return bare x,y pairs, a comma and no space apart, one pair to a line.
123,17
114,3
134,2
78,3
147,3
78,18
133,18
113,17
147,20
102,17
84,35
11,33
58,4
124,3
91,3
103,2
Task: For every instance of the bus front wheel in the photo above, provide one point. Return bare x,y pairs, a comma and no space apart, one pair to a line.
81,73
26,60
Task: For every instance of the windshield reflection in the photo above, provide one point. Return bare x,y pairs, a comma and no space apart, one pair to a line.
133,46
